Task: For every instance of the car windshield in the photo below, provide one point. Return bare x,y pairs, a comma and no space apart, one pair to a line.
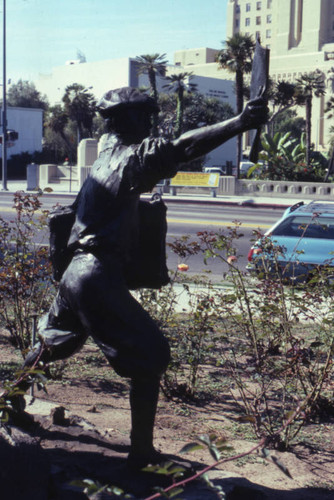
307,227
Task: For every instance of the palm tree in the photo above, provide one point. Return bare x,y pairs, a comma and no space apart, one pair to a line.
237,58
179,83
307,86
56,120
80,107
282,97
153,65
329,111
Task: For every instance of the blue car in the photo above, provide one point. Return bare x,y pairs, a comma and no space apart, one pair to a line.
302,240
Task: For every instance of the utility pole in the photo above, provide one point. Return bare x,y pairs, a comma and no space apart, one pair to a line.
4,105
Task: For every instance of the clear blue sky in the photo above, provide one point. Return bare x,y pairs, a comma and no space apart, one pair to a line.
42,34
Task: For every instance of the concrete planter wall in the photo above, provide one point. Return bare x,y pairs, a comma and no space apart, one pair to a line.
286,189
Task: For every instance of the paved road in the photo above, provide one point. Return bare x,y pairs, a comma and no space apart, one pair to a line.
191,218
188,219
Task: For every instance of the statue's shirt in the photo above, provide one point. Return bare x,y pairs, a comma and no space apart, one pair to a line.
107,216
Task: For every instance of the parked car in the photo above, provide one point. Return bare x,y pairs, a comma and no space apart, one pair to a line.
300,241
245,166
214,170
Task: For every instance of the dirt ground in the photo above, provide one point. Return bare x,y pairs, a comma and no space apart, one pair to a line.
92,442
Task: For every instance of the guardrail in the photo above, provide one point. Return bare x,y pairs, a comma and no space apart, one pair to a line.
230,186
319,190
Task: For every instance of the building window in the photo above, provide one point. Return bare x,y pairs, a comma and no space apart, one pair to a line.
247,21
269,2
237,9
237,23
257,35
258,5
268,34
269,18
248,7
258,20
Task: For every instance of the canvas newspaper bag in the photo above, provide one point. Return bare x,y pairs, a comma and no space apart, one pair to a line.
147,268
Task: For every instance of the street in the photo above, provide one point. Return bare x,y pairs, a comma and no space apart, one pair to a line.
189,219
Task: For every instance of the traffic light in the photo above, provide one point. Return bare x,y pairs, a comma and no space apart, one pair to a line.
12,135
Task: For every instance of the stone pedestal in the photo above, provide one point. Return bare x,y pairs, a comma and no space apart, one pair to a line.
32,176
87,152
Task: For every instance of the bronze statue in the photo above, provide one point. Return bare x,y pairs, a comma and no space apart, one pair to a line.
94,298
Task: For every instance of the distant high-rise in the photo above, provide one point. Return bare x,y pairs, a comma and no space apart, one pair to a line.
293,28
300,36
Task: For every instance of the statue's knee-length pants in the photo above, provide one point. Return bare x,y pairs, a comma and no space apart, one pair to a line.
93,300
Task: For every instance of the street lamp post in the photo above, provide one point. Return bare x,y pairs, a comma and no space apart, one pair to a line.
4,105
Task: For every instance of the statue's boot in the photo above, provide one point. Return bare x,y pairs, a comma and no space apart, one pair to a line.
17,401
33,355
144,395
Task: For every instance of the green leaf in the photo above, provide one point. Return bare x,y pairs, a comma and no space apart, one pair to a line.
205,439
316,344
247,418
78,483
191,447
212,436
265,452
214,452
282,467
175,492
221,441
116,490
176,470
289,414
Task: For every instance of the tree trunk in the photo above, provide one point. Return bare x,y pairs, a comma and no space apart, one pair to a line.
239,85
154,94
179,114
308,106
70,151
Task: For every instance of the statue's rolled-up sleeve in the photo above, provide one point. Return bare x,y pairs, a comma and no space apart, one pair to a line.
155,162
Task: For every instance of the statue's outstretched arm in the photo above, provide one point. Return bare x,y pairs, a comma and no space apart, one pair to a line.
201,141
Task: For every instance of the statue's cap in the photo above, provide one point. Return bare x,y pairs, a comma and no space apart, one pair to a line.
125,97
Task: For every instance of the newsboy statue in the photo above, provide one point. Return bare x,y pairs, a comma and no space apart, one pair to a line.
93,297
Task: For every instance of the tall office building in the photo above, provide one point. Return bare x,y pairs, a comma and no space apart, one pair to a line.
294,28
300,35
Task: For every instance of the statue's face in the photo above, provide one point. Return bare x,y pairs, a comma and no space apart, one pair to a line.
133,124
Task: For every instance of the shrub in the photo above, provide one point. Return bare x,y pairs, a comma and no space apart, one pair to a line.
273,342
25,269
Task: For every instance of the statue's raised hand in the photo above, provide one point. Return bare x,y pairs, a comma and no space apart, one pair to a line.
255,113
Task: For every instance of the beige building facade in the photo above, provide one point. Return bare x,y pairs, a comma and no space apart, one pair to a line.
300,36
101,76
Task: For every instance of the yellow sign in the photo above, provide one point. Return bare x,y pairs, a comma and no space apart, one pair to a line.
198,179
